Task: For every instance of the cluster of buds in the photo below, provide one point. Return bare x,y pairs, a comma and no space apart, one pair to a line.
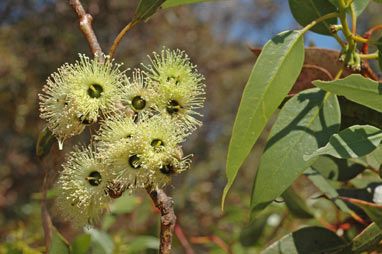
142,123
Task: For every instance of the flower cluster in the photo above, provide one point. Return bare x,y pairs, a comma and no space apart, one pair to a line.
142,123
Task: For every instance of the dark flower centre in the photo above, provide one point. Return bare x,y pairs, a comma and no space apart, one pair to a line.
173,107
157,144
85,121
138,103
134,161
167,169
173,78
94,178
95,91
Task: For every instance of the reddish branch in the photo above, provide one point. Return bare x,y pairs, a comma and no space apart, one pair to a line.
86,27
183,240
366,67
46,221
168,219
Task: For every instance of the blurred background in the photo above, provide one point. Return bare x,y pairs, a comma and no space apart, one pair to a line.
38,36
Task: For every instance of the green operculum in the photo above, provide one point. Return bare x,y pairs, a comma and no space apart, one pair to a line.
94,178
134,161
95,90
167,169
138,103
173,107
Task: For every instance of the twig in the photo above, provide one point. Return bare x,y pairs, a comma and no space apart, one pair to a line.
213,238
86,27
120,36
167,220
183,240
46,221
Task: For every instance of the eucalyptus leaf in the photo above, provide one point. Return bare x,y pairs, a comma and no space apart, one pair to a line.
142,243
58,244
296,205
337,169
81,244
305,123
101,241
273,75
145,9
327,189
310,240
305,12
355,141
373,210
380,54
367,239
358,5
44,143
173,3
125,204
356,88
251,233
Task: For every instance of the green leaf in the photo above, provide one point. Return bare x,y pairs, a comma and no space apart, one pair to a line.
58,245
305,123
367,239
356,88
337,169
310,240
374,159
296,205
44,143
108,221
173,3
378,1
380,54
101,241
145,9
125,204
141,243
373,210
328,190
273,75
305,11
81,244
355,141
358,5
252,232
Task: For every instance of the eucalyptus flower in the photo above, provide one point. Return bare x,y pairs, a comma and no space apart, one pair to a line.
57,108
115,128
179,86
161,135
126,159
169,166
82,186
139,94
75,95
163,153
95,86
